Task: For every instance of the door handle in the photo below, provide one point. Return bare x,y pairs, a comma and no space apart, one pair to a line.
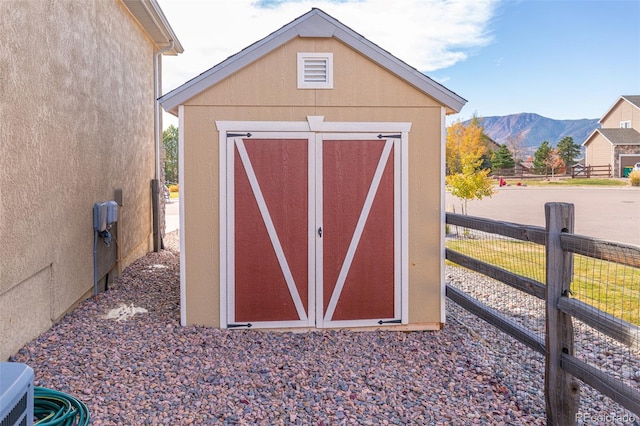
320,232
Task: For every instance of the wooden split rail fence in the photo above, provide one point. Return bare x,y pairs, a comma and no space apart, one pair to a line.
561,366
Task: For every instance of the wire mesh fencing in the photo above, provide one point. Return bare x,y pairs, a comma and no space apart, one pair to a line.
606,285
499,271
519,257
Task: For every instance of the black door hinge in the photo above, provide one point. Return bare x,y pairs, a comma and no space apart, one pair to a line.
248,325
395,321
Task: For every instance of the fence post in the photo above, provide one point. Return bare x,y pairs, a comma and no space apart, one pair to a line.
562,391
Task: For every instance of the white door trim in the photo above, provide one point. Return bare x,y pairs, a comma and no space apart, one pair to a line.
271,230
227,225
313,124
314,129
399,147
355,239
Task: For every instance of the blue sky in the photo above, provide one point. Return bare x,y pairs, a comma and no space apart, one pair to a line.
558,58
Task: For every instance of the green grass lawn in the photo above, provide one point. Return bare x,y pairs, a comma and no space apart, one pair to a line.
610,287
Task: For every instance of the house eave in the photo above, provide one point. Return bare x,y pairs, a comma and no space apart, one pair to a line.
591,135
151,19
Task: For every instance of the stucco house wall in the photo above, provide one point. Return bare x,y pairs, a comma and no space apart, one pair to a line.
265,91
77,108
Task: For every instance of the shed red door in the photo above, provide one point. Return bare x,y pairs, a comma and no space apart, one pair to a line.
313,231
359,271
270,281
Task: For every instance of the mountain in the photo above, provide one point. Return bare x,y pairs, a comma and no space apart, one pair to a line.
536,129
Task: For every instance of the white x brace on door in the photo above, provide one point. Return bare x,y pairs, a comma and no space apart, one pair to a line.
313,224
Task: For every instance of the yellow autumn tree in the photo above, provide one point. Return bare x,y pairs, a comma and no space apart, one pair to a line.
464,141
466,146
471,183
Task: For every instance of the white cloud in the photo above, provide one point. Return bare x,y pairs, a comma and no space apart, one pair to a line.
426,34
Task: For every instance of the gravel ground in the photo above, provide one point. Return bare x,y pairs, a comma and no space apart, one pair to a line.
148,370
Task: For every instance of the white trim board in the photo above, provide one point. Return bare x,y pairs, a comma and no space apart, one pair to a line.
313,124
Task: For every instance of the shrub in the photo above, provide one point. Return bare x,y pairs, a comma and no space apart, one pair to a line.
634,178
174,188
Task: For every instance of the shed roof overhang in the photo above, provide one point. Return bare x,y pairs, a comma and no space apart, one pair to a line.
318,24
150,17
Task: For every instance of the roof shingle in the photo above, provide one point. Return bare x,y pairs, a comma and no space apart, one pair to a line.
621,136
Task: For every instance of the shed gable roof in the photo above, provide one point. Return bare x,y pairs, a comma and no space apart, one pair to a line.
315,23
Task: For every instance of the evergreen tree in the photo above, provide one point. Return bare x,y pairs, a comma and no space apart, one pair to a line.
502,159
541,158
546,160
568,150
170,142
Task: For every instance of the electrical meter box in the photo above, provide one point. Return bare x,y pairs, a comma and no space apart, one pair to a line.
16,394
104,215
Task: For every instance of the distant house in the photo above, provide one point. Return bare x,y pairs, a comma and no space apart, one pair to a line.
312,185
617,142
492,145
78,84
525,166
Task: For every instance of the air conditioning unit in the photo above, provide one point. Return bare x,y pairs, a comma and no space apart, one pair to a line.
16,394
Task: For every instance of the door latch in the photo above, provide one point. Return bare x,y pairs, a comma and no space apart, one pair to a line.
320,232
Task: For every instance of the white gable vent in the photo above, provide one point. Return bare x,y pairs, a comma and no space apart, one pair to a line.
315,70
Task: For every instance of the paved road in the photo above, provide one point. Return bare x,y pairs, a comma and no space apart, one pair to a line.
607,213
171,215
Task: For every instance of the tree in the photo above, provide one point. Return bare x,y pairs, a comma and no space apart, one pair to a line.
568,150
541,156
514,143
464,142
170,141
546,159
554,162
466,151
471,183
502,158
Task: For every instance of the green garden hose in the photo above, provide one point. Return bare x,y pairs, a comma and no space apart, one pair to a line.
54,408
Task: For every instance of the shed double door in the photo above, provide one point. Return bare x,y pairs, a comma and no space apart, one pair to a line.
313,230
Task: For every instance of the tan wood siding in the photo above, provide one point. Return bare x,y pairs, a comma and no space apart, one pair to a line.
266,91
622,111
599,151
272,81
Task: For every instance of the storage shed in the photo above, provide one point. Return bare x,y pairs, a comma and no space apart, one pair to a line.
312,185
